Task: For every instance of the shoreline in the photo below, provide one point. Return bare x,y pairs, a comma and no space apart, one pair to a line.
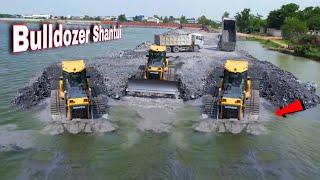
273,44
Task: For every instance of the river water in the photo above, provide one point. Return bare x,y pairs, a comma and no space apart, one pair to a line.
290,148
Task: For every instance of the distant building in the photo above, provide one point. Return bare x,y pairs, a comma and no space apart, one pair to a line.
77,17
192,21
274,32
129,18
17,16
176,21
152,19
141,17
109,18
38,16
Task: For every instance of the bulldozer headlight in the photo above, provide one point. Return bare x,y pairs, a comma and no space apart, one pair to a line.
238,101
71,101
85,100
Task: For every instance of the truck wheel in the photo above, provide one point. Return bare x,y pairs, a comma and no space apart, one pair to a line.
195,48
175,49
168,49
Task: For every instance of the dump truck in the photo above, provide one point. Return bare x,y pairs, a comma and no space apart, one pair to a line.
177,42
228,36
156,78
75,97
235,98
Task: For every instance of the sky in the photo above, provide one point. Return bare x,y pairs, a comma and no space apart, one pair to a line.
211,8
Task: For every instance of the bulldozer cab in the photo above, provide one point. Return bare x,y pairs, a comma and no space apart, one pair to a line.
234,84
75,84
235,79
157,62
156,58
74,79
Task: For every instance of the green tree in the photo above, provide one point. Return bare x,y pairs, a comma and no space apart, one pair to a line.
277,17
203,20
293,28
256,23
136,18
6,16
171,19
183,20
248,23
243,20
225,14
122,18
86,17
312,16
165,19
314,23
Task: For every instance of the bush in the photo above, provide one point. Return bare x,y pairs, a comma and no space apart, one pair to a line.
307,39
293,28
302,50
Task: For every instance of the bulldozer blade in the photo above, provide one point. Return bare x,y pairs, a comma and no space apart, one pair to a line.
155,87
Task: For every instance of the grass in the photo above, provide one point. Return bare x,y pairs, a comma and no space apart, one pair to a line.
314,53
279,44
265,43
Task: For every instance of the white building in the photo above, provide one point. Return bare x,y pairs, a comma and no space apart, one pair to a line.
274,32
152,19
176,21
109,18
39,16
192,21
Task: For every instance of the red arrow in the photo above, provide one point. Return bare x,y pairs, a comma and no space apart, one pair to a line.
296,106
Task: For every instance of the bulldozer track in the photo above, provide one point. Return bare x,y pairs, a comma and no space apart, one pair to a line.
211,107
98,106
57,106
252,106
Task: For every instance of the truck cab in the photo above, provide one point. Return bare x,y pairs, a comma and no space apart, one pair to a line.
197,39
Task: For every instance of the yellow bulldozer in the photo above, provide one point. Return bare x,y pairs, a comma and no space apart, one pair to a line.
156,78
235,98
74,97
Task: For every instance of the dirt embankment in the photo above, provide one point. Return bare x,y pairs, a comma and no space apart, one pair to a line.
198,73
